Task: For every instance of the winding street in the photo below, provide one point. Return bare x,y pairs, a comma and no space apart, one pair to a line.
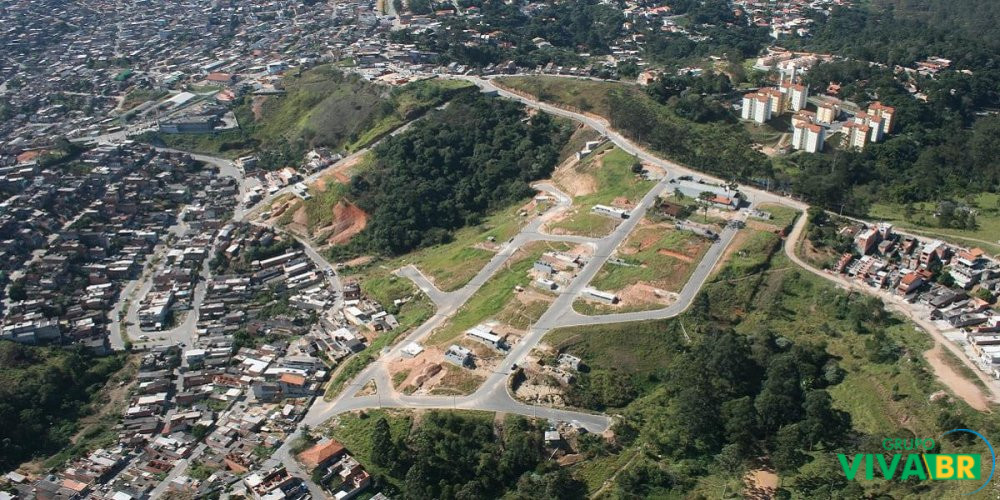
494,394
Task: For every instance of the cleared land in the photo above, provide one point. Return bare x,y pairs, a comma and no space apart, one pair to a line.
923,221
655,261
654,254
452,265
604,177
497,295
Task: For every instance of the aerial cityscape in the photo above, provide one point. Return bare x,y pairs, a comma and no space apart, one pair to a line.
521,249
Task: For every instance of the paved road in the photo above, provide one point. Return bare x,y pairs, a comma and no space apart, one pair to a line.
494,395
893,302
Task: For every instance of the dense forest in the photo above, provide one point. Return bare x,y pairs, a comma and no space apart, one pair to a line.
43,392
905,31
459,456
448,171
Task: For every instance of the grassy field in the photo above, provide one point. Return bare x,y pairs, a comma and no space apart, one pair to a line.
781,216
320,107
985,236
136,97
646,264
494,296
613,177
584,95
230,144
453,264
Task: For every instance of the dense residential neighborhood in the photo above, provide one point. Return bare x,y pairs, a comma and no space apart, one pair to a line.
492,249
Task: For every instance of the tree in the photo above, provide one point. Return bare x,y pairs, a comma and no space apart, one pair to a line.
383,448
786,455
822,423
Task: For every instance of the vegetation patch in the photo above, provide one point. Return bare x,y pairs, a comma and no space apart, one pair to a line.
494,295
441,453
46,391
653,255
856,371
615,181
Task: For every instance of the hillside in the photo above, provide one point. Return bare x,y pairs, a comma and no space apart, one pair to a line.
771,367
321,106
44,391
473,158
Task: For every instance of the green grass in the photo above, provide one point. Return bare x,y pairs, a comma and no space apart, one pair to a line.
493,296
522,315
614,179
781,215
382,127
453,264
595,471
354,431
136,97
589,308
985,236
648,265
584,95
586,223
230,144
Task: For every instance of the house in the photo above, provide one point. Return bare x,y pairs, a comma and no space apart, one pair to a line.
322,454
458,355
605,297
618,213
867,240
223,78
412,350
909,283
484,334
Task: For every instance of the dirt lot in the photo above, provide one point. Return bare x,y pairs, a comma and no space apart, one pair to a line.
348,220
961,386
572,178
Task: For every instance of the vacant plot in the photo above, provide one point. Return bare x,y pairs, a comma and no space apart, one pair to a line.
614,184
457,382
781,216
452,265
136,97
656,255
922,220
496,294
584,95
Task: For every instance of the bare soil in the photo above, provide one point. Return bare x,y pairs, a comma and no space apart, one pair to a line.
257,107
642,294
760,484
348,220
961,386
